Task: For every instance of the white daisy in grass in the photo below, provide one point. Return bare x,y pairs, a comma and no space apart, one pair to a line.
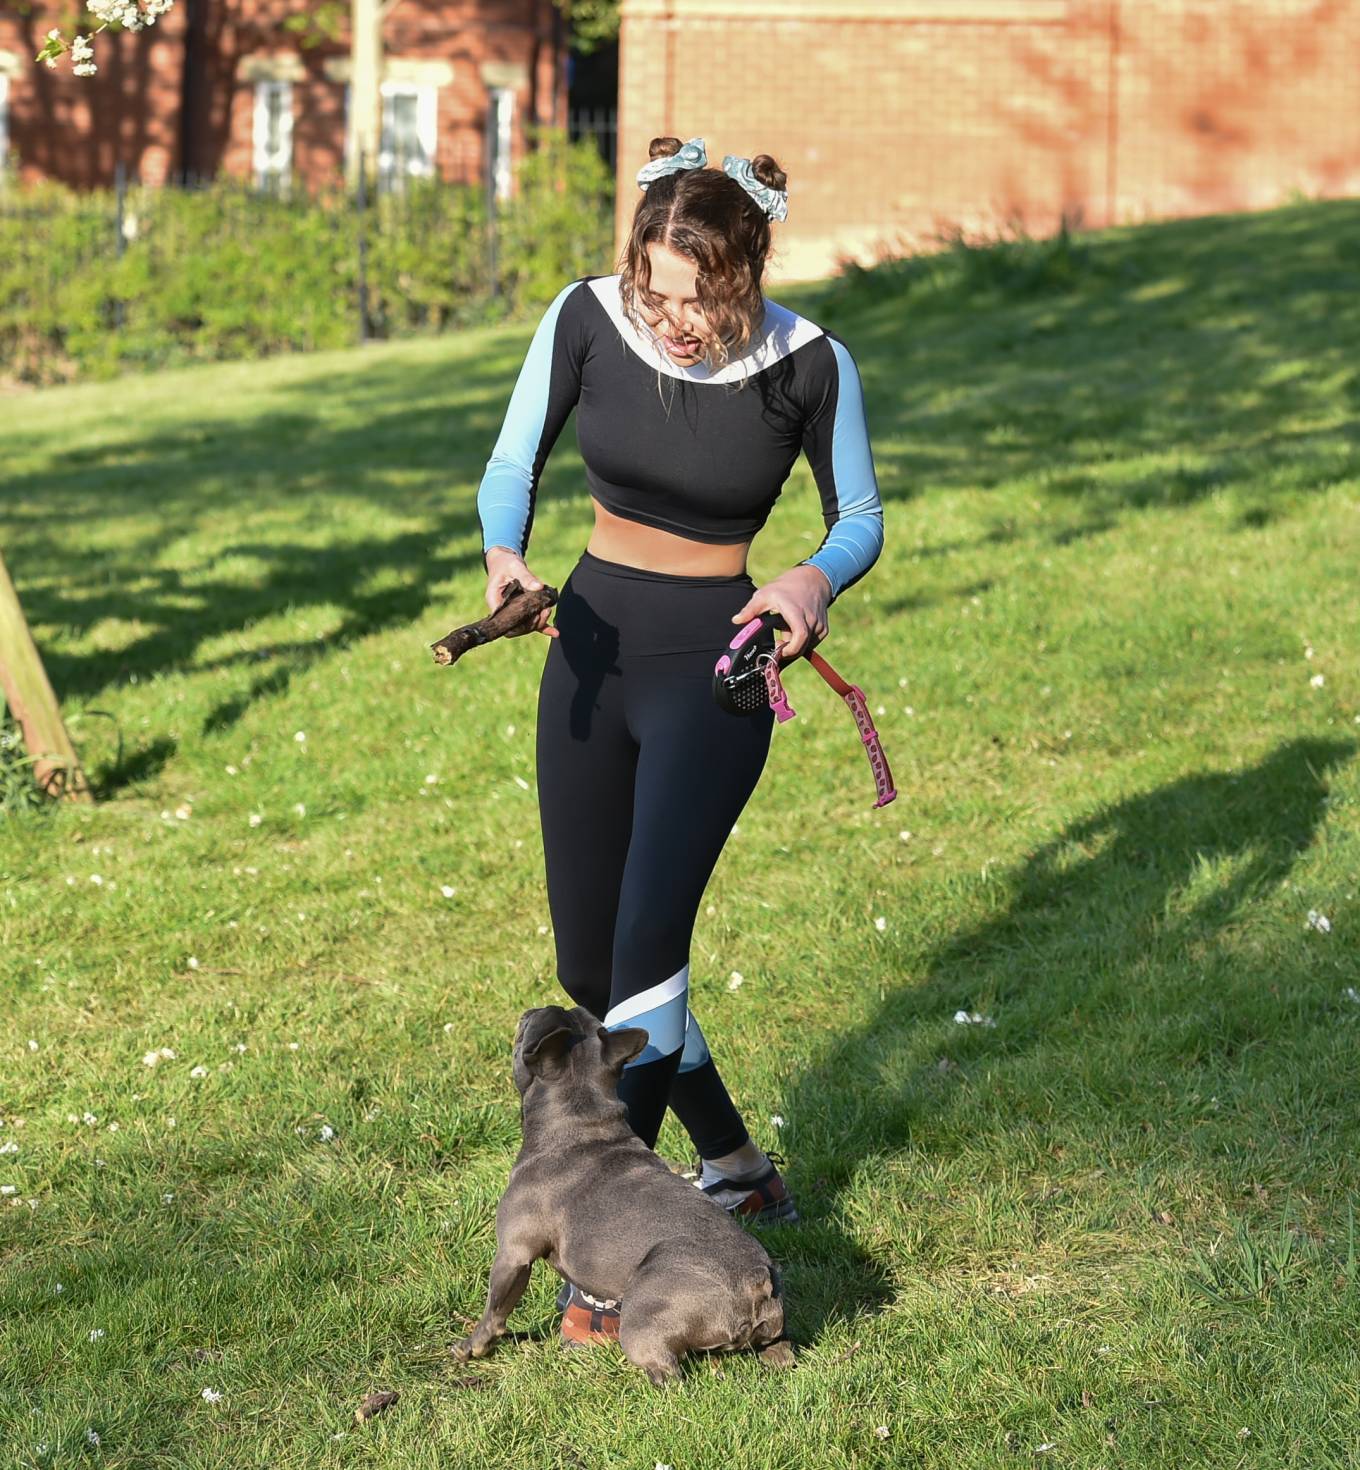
300,809
1318,680
735,980
447,889
9,1148
211,1396
9,1189
300,736
96,1333
192,962
184,812
89,1118
255,819
199,1072
1353,994
325,1133
776,1120
972,1018
880,923
32,1044
1320,922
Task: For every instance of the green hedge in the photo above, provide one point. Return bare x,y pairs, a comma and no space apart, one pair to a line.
229,272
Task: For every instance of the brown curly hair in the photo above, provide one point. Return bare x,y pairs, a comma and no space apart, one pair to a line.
707,216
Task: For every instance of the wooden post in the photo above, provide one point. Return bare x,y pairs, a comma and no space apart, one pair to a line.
31,700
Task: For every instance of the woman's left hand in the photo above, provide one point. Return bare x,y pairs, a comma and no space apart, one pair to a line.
801,597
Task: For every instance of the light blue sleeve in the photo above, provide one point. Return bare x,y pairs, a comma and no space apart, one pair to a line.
545,392
836,440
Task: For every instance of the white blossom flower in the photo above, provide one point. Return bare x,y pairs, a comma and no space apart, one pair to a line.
431,779
192,962
161,1054
301,737
325,1133
972,1018
1320,922
199,1072
300,809
776,1120
448,1027
8,1188
882,1431
232,771
240,1046
292,1046
89,1118
255,819
735,980
96,880
1318,680
211,1396
167,1196
96,1333
9,1148
1353,994
880,923
184,813
447,890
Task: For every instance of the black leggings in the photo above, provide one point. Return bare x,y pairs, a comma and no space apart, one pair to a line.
641,776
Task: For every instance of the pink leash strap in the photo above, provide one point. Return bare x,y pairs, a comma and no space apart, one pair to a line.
853,695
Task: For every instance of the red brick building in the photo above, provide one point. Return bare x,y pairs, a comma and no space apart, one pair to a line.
223,84
895,117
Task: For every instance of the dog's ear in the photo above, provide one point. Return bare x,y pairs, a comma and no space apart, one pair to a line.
545,1040
620,1047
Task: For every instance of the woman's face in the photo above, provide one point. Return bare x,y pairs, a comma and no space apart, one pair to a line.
671,307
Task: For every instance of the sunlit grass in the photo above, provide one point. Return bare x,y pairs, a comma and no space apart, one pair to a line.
1111,649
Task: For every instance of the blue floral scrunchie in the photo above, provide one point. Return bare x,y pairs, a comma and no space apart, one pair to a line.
692,155
775,202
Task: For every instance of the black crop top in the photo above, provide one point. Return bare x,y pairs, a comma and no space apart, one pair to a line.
697,452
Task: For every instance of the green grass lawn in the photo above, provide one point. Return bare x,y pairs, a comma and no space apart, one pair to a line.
1112,648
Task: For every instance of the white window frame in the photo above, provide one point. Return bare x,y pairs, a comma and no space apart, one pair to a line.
279,167
427,130
501,106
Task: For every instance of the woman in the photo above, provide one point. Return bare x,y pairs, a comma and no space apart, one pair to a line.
693,396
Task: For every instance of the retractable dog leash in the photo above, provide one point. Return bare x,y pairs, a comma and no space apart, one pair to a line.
746,679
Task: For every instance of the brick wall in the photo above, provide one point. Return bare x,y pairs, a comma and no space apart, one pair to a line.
895,118
75,128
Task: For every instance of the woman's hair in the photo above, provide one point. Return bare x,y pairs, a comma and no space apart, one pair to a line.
707,216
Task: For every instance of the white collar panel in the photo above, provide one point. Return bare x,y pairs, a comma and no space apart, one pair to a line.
782,332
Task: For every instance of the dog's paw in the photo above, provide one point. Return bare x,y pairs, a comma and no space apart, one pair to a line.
778,1354
460,1352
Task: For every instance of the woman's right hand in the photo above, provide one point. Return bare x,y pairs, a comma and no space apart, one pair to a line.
504,566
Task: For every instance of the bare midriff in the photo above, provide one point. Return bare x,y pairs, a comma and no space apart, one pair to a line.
655,550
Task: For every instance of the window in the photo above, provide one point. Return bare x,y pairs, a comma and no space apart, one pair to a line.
409,112
273,135
500,124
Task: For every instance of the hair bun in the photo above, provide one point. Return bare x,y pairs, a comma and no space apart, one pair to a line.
664,147
768,172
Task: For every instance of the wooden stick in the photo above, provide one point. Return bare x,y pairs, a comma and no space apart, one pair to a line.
32,701
517,612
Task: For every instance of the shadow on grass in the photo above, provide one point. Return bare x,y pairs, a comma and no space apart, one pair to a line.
1109,929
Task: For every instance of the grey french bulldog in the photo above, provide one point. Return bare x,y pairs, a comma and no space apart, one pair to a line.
591,1198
